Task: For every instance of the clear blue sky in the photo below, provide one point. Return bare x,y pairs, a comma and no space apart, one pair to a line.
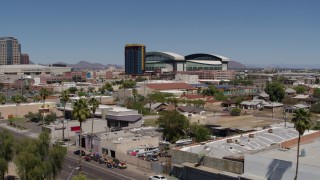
248,31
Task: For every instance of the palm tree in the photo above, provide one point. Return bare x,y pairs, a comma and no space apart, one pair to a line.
44,94
302,122
64,99
17,99
81,112
94,104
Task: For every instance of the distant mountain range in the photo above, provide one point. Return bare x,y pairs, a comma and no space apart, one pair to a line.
234,65
285,66
88,65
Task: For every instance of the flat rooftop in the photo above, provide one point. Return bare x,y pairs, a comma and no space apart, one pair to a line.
312,153
242,144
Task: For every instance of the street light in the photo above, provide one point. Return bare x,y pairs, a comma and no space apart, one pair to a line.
76,168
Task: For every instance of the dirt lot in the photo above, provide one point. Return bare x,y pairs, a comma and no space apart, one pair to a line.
248,119
243,122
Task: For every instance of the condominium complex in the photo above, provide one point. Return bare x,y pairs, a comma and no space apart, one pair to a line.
135,59
10,51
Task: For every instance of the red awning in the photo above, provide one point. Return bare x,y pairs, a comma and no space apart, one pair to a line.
75,128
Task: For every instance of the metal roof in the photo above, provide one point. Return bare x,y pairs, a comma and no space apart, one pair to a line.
221,57
23,66
171,55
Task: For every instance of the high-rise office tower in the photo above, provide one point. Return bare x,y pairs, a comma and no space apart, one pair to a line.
135,59
10,51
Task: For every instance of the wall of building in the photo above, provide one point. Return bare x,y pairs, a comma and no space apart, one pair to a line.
211,162
123,147
268,168
305,138
191,173
24,108
186,78
134,160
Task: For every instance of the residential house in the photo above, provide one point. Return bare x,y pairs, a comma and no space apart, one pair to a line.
290,92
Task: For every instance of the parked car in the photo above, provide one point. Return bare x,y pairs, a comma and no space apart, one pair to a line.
88,158
113,129
153,157
77,152
157,177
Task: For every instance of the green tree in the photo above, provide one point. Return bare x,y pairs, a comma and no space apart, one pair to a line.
239,99
134,93
302,122
316,93
199,132
36,98
81,112
73,90
138,105
214,91
36,159
17,99
94,104
3,98
300,89
6,152
108,87
175,125
33,116
276,91
43,94
128,84
51,117
80,177
315,108
64,99
235,112
82,93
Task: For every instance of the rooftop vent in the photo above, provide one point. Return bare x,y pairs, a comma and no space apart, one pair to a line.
229,141
269,130
303,153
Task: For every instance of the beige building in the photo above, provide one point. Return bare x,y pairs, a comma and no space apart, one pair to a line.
20,110
10,51
120,142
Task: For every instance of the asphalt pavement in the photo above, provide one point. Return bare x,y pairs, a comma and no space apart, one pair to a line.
93,170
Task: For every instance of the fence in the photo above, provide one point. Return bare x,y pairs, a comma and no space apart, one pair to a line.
134,160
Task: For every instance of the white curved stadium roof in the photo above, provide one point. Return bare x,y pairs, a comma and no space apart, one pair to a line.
222,57
172,55
176,56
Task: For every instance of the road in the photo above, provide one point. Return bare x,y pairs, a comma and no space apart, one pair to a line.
92,170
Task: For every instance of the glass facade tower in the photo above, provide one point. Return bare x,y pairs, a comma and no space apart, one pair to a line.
10,51
135,59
